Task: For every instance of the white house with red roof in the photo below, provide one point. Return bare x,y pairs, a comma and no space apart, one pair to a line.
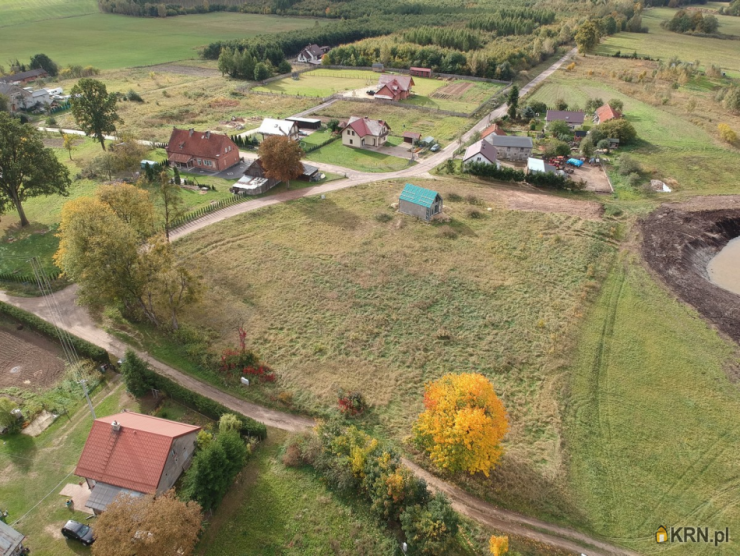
394,87
135,454
364,132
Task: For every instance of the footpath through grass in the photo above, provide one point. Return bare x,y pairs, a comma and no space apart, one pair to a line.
649,425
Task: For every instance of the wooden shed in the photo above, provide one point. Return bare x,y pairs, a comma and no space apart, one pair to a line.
377,66
420,72
411,137
419,202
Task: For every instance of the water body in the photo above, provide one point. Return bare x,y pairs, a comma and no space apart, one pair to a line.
724,268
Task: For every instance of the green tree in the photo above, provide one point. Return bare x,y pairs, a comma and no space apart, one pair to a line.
513,101
587,147
42,61
7,418
229,422
172,202
603,145
261,71
616,104
430,530
134,371
27,168
206,481
4,104
619,129
94,109
538,107
561,104
281,158
587,37
559,127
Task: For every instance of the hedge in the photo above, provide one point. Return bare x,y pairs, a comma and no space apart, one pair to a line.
82,347
140,377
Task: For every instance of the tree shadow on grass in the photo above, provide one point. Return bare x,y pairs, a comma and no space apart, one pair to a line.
326,211
21,450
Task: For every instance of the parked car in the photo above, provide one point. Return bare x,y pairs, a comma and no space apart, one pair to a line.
370,92
78,532
435,148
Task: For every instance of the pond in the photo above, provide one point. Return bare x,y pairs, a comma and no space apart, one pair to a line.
724,268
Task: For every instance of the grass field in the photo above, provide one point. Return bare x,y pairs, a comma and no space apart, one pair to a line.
18,12
444,129
647,427
467,102
674,143
116,41
357,159
663,44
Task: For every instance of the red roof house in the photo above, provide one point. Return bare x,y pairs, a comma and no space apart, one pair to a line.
394,87
606,113
364,132
201,149
420,72
134,454
492,130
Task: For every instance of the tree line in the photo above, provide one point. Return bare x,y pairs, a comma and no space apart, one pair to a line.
692,22
459,39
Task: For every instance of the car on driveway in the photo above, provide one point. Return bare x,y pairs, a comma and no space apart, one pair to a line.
77,531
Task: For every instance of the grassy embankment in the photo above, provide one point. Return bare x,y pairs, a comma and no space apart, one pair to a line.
109,41
674,141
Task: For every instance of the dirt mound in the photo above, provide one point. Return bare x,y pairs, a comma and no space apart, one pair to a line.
680,239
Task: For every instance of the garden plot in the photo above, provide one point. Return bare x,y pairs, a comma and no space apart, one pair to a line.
28,360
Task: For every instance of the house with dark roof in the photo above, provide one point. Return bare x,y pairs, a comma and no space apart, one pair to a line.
420,202
394,87
606,113
201,149
134,454
25,76
11,541
511,147
364,132
572,118
481,152
312,54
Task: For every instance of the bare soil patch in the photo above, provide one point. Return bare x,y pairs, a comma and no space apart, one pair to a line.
453,90
679,240
28,360
540,202
185,70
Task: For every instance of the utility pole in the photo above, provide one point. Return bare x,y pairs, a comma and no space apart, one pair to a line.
87,397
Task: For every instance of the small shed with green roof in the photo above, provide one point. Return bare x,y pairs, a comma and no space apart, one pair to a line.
420,202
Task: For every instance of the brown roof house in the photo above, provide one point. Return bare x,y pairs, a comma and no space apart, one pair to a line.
364,132
201,149
606,113
312,54
494,129
481,152
573,119
25,76
394,87
134,454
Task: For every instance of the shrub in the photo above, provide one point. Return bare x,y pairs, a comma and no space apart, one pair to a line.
383,217
727,134
351,403
473,213
619,129
628,165
634,179
8,419
51,121
430,529
447,232
454,198
472,200
538,107
560,104
134,96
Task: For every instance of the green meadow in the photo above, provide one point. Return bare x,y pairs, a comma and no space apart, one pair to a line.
18,12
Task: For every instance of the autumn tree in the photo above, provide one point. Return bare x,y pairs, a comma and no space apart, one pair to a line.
69,141
148,526
463,424
587,37
94,109
281,158
27,168
727,134
132,205
498,545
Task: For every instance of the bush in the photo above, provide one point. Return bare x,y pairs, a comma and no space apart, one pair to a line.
538,107
628,165
383,217
134,96
634,179
619,129
431,529
51,121
351,403
138,376
447,232
454,198
473,213
727,134
82,347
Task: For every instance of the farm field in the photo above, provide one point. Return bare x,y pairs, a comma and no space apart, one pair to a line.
383,307
664,44
357,159
17,12
321,83
674,143
110,41
646,427
444,129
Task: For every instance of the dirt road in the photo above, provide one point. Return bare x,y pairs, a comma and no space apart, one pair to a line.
76,320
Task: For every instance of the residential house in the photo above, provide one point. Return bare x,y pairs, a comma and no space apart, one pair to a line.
411,137
511,147
188,148
364,132
279,128
11,541
573,119
17,97
494,129
394,87
134,454
606,113
254,181
312,54
482,152
420,202
24,77
535,165
420,72
39,97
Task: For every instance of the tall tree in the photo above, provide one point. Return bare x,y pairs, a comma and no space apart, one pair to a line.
281,158
463,424
513,102
132,204
27,168
94,109
171,196
4,103
42,61
148,526
587,37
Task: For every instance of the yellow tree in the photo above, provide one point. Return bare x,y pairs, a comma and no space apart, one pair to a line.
727,134
148,526
463,424
499,545
281,158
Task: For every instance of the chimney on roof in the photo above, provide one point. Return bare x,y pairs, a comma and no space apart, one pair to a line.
115,426
190,133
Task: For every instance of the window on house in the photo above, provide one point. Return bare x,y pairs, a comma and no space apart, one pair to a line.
351,142
200,162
